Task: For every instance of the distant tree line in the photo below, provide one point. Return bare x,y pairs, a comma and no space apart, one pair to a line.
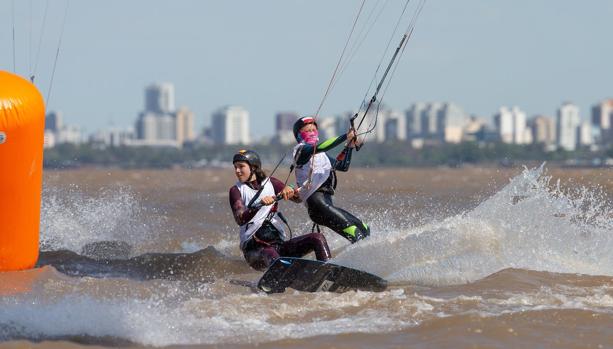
394,154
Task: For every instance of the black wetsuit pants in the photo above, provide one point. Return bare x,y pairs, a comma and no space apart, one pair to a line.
323,212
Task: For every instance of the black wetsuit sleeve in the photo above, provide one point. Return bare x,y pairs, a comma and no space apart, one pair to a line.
343,163
307,150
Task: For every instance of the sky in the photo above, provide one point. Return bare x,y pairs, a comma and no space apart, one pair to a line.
271,56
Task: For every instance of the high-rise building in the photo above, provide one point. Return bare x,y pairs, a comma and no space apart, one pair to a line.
230,125
452,120
602,114
184,119
431,121
584,134
284,123
395,126
543,130
414,120
520,133
503,122
166,127
53,121
602,120
160,98
511,125
566,126
146,127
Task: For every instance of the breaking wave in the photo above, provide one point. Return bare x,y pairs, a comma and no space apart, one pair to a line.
531,223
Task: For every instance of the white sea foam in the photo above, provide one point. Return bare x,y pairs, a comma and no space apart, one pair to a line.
168,318
159,322
71,219
529,224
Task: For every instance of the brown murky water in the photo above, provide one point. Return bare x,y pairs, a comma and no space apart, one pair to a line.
477,257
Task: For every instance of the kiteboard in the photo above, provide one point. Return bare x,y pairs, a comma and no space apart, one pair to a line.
316,276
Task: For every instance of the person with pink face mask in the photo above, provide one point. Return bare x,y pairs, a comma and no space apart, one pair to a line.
316,177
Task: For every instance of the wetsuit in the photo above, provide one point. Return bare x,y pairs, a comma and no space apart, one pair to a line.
314,165
262,235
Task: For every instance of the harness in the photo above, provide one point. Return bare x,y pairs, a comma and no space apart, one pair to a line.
268,228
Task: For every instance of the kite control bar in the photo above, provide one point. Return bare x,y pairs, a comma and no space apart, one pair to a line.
278,197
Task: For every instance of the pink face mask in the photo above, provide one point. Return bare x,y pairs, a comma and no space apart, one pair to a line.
310,137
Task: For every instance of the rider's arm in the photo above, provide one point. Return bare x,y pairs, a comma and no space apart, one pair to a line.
277,185
343,163
242,215
307,150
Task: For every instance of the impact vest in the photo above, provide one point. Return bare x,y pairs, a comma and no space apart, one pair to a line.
247,193
321,171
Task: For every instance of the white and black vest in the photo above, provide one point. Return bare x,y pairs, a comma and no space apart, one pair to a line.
247,193
321,171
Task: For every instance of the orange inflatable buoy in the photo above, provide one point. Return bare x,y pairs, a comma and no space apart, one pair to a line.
22,123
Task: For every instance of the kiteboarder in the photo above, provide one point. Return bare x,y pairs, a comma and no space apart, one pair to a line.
253,200
316,177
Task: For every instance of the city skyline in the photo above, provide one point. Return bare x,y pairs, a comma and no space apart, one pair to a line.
167,98
423,123
280,55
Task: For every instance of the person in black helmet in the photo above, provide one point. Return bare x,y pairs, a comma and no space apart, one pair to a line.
262,234
316,177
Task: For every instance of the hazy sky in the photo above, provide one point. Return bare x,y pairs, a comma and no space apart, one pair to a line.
270,56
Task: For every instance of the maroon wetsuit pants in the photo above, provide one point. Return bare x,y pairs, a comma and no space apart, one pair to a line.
260,254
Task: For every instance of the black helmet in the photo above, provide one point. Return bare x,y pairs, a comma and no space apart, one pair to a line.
305,120
248,156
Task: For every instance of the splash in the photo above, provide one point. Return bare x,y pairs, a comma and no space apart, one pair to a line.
175,313
531,223
171,317
71,219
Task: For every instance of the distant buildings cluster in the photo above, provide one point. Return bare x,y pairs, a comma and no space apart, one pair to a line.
161,124
56,132
439,123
